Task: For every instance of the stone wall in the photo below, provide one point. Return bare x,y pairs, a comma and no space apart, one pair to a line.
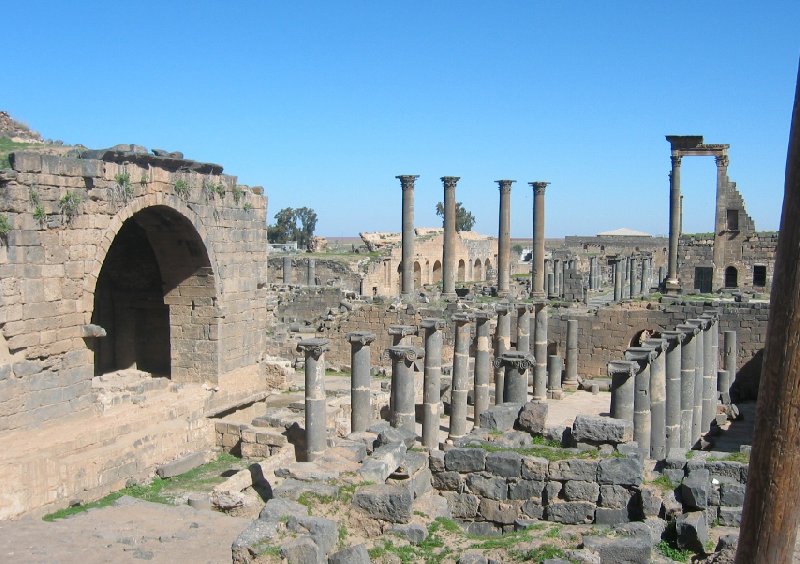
328,272
207,240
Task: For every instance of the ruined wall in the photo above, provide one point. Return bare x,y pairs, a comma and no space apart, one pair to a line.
609,246
328,272
208,237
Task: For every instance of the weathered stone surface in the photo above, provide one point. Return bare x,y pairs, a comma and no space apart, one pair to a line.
226,500
532,417
608,516
465,459
488,486
246,546
651,501
504,463
412,532
525,489
500,417
448,481
533,509
574,469
181,466
551,491
436,461
389,503
499,511
730,516
483,529
462,505
383,461
570,512
351,555
323,532
731,494
534,468
293,489
278,507
393,435
620,471
728,469
694,493
598,430
578,490
582,556
615,497
472,558
302,550
619,550
692,530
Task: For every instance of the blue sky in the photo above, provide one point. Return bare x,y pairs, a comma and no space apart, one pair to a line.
324,103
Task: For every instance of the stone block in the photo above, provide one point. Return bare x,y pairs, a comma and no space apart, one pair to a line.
301,550
730,516
181,466
615,497
388,503
447,481
483,529
383,462
731,494
278,507
694,493
651,501
608,516
534,468
728,469
351,555
502,512
601,430
533,509
551,491
570,512
472,558
392,435
525,489
324,532
413,533
504,463
574,469
436,461
578,490
487,486
628,549
462,505
500,417
532,417
465,459
251,541
692,531
620,472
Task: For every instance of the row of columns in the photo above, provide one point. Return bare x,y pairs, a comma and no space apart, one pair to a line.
311,275
625,281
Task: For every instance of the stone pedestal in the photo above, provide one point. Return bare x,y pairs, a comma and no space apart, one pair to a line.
658,396
360,378
407,256
673,400
541,322
403,359
502,343
537,280
449,250
432,387
554,368
504,239
459,389
622,388
316,419
311,272
571,373
524,327
516,366
642,426
287,270
483,364
688,371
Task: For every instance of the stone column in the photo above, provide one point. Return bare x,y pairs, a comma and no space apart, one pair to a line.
541,320
673,402
633,286
662,273
674,223
407,260
516,365
700,357
311,274
622,388
502,343
504,239
360,366
459,389
720,222
316,419
688,371
571,372
554,367
432,387
561,282
398,334
524,327
551,285
449,251
483,364
556,277
403,358
287,270
618,280
642,428
658,396
730,365
537,280
644,288
709,410
592,271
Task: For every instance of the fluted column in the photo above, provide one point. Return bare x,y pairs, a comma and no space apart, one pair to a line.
459,389
316,419
483,363
537,280
658,396
642,356
502,343
571,372
516,365
504,239
673,403
449,251
623,390
432,386
360,366
674,222
541,321
407,257
403,358
688,374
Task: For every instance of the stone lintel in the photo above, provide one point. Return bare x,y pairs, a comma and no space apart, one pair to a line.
362,337
621,367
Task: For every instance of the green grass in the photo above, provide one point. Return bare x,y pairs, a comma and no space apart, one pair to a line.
238,193
8,146
673,553
554,532
539,553
546,452
663,483
732,457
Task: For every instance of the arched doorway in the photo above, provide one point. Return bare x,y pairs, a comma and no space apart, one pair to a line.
462,271
487,269
731,277
477,270
417,275
157,300
437,272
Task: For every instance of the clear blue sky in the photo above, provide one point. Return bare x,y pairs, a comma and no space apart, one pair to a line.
324,103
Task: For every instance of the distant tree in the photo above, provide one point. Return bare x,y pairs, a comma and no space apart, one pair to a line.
464,219
293,225
517,249
308,223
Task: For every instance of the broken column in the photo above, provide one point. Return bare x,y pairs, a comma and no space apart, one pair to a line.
432,387
449,250
483,364
622,389
459,388
504,239
642,356
673,400
399,334
407,256
658,396
311,274
554,367
502,343
709,411
287,270
537,280
541,320
571,372
688,371
524,327
316,418
700,358
731,353
516,366
402,393
360,366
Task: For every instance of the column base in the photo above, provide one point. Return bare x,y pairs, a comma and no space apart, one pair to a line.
449,296
672,287
569,386
555,394
538,295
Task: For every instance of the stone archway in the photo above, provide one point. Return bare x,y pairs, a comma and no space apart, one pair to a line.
462,271
417,275
437,272
156,296
731,277
477,270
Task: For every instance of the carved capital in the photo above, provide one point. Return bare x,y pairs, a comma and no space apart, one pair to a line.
676,161
688,330
433,324
505,185
673,338
514,359
641,355
405,354
701,323
722,161
450,182
402,330
361,337
462,318
539,187
407,181
313,347
482,316
502,309
657,344
621,367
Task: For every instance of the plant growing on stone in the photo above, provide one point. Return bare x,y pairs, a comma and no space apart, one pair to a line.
68,204
5,226
143,180
238,193
182,188
40,216
122,191
247,206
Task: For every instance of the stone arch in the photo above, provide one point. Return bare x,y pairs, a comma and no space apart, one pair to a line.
477,270
154,287
437,271
417,275
487,267
462,271
731,277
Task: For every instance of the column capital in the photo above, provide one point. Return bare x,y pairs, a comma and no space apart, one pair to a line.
313,347
524,307
676,160
406,354
659,345
721,160
462,318
482,316
539,186
519,361
673,338
433,324
402,330
700,323
689,331
641,355
621,367
450,181
361,337
502,309
505,185
407,180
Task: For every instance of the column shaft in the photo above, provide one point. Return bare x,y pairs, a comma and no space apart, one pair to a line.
315,400
311,272
523,327
504,239
517,366
360,395
571,372
449,250
658,396
541,321
709,409
673,387
403,416
622,389
459,391
502,344
697,409
554,365
482,365
618,280
537,281
287,270
688,371
674,219
731,352
407,260
432,386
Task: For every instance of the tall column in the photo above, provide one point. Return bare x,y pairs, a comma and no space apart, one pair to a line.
662,273
311,272
504,239
618,280
658,396
688,371
502,343
459,389
398,334
524,327
316,420
556,277
483,364
407,257
571,372
403,358
709,410
592,273
360,366
642,356
720,222
700,358
551,285
541,321
516,365
623,390
431,391
537,281
554,368
644,284
449,251
633,286
562,283
674,222
731,354
673,403
287,270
